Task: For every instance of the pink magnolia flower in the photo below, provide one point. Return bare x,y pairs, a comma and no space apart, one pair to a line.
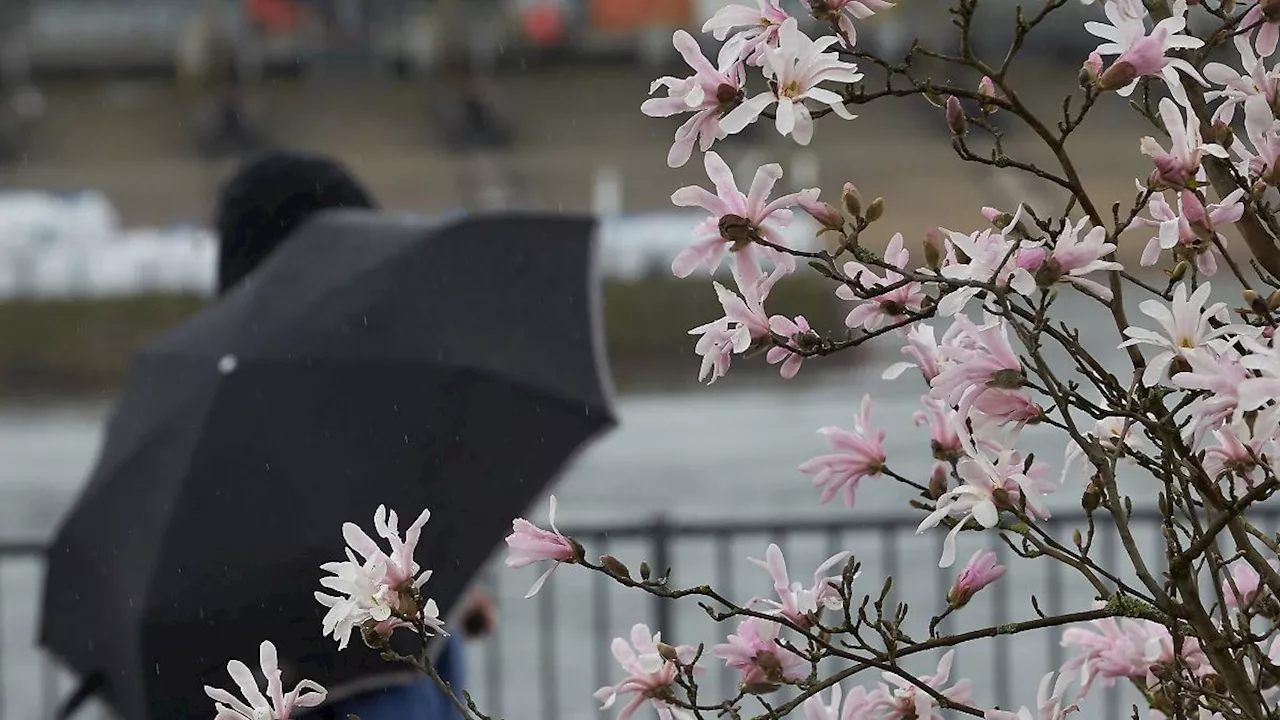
1186,326
842,13
650,676
799,334
797,67
1243,447
709,93
998,407
1246,581
858,705
1071,258
373,590
1191,230
1221,376
715,347
922,346
746,312
796,603
756,653
981,570
992,258
737,222
1050,702
1255,392
902,700
529,544
893,306
275,705
744,325
1179,166
1260,156
984,362
988,484
1112,433
944,440
760,30
1125,649
1145,55
856,454
1237,87
1268,29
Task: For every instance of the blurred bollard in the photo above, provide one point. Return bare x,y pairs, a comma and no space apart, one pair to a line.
606,191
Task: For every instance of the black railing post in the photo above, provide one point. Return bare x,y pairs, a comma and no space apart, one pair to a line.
660,535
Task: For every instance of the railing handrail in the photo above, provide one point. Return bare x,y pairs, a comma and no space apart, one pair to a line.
703,528
644,529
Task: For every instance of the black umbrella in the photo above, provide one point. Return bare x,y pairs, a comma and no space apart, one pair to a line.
373,359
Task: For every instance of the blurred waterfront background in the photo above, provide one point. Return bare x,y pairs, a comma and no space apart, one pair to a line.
118,119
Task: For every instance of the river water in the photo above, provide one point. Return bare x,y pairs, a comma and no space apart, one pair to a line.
725,452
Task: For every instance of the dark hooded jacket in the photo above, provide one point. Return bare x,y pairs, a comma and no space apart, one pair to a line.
270,196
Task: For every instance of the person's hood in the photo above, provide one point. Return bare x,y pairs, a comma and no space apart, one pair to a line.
267,198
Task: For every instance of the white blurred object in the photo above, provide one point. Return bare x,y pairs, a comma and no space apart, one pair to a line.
606,191
72,246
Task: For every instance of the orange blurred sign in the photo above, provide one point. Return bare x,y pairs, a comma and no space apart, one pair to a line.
275,16
544,22
626,15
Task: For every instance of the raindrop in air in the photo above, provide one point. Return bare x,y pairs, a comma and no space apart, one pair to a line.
227,364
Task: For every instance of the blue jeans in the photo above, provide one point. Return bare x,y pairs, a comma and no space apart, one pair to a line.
420,701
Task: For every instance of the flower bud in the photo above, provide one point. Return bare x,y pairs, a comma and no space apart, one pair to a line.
875,210
373,638
614,567
760,688
981,570
956,121
728,97
645,571
828,217
1222,134
1091,70
938,485
1077,538
933,250
1092,498
1256,303
1273,301
771,665
1120,74
987,90
1002,498
667,652
1179,271
852,199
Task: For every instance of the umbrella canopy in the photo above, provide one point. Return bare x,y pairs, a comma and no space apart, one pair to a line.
373,359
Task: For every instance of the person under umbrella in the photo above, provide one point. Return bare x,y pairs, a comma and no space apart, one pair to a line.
369,357
257,211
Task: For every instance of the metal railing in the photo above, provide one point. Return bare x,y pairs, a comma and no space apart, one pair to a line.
550,653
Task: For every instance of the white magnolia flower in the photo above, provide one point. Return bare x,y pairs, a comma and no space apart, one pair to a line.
275,705
376,589
797,66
